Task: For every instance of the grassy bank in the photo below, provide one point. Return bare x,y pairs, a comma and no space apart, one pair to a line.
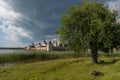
40,56
63,69
33,56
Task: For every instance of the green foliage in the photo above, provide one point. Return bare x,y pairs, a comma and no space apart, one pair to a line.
88,25
116,36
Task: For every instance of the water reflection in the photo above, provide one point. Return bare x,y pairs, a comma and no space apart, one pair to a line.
7,51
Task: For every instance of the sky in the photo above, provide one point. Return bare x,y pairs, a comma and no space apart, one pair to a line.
26,21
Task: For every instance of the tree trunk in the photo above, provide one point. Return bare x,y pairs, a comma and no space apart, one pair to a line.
94,55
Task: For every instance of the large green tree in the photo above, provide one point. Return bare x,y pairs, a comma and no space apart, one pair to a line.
88,25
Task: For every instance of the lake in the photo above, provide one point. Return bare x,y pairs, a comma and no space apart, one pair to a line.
9,51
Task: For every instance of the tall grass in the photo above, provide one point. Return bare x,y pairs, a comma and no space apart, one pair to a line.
33,56
38,55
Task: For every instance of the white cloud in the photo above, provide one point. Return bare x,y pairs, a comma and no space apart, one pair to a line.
115,4
11,44
6,12
8,16
14,33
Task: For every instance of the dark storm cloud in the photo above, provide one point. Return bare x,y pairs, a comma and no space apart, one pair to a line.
40,17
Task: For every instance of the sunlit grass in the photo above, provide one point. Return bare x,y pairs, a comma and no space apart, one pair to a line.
63,69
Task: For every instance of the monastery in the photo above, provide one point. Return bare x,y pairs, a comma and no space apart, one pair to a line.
47,46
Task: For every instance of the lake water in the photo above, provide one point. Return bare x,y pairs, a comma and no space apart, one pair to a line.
7,51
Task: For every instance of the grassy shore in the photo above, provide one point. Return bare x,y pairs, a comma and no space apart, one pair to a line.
34,56
40,56
63,69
